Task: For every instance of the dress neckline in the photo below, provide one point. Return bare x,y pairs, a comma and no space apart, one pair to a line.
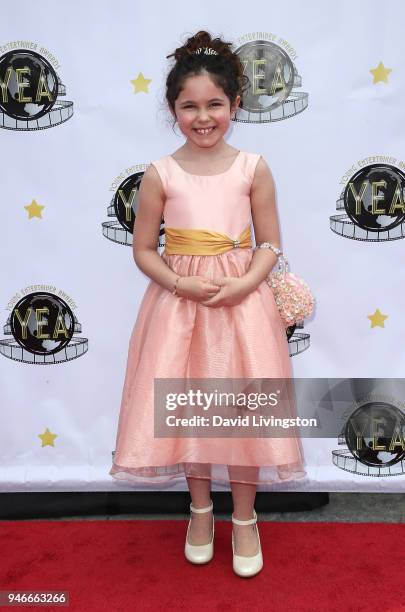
208,175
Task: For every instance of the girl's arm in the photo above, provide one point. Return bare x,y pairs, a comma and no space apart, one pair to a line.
145,241
147,228
266,225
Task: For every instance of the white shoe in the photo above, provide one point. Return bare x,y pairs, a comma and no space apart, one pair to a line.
200,553
247,566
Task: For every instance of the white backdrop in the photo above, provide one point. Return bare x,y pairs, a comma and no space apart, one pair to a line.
100,51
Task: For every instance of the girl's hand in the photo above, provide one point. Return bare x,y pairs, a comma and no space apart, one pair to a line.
196,288
233,290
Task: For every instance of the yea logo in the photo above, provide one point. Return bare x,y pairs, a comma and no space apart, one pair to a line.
374,435
42,326
270,76
374,204
29,90
123,207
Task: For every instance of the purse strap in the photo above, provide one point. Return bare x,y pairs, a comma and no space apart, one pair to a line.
283,265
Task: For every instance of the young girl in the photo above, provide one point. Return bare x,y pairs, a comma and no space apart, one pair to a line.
208,311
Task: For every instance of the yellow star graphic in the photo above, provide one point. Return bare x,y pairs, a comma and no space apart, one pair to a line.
380,73
140,83
377,319
47,438
34,210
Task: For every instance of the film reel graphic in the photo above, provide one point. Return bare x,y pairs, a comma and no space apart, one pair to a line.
374,435
272,76
42,326
374,205
29,92
298,342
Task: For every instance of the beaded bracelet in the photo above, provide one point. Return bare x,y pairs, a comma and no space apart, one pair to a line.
175,285
268,245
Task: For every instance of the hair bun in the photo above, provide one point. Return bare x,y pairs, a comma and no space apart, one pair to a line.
202,53
202,43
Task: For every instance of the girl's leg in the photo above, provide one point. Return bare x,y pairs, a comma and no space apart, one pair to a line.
243,496
201,523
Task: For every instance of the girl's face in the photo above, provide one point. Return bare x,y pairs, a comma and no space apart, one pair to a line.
201,104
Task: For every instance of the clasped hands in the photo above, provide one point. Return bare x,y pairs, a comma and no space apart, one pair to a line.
226,291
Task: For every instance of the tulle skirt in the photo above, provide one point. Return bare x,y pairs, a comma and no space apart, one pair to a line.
180,338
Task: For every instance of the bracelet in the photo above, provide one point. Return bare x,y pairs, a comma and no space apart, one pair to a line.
175,285
268,245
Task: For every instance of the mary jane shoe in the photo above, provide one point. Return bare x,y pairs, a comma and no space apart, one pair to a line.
200,553
247,566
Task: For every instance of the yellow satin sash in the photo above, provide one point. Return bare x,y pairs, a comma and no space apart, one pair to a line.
179,241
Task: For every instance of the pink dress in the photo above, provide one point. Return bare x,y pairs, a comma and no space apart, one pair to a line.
180,338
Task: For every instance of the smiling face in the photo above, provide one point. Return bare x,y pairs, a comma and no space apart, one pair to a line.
203,111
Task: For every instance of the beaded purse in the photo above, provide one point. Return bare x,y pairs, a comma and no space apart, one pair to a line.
292,294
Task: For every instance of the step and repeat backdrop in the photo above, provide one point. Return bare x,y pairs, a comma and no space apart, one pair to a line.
83,113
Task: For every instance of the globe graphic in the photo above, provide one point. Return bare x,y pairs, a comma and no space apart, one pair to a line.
36,78
271,76
373,425
126,202
392,179
42,314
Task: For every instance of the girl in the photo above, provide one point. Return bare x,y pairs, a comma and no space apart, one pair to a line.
208,311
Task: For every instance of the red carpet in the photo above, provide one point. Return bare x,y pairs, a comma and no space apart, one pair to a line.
139,565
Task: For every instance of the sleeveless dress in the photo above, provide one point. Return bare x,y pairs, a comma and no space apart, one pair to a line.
177,337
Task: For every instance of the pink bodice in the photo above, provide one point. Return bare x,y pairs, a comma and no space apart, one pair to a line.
220,202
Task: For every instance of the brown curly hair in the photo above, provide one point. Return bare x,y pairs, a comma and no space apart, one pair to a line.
225,69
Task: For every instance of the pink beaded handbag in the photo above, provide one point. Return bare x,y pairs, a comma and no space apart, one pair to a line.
292,294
